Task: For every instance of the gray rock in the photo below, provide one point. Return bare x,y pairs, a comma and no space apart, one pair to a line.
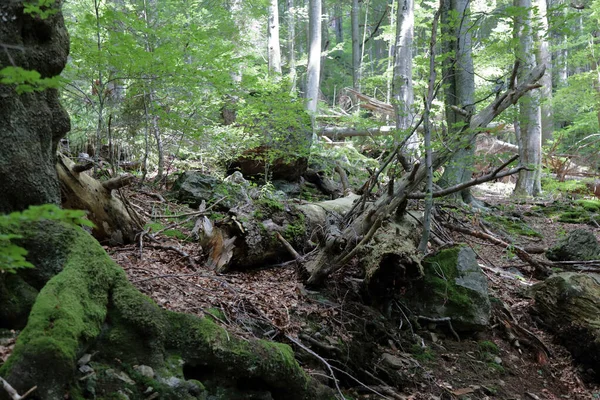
578,245
144,370
192,187
454,286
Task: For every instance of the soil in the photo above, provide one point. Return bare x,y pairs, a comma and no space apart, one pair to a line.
353,339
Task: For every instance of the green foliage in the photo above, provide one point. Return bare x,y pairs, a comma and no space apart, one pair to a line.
512,225
488,346
556,187
27,81
12,257
422,354
41,9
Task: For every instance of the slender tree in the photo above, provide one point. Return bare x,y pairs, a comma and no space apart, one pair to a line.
314,56
543,56
356,48
273,39
403,80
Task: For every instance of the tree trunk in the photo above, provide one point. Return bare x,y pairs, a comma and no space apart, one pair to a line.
460,88
273,39
530,138
356,56
291,21
31,124
314,56
402,81
338,23
543,56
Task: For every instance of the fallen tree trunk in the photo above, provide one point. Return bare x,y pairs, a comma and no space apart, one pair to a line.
366,220
114,222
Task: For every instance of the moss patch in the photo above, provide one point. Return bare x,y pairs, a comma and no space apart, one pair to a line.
513,226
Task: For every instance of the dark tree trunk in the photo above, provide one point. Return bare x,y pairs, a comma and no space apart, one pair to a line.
31,124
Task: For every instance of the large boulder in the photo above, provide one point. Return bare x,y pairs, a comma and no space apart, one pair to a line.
453,286
569,304
578,245
193,187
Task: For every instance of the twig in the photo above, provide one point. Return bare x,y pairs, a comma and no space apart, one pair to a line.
13,393
288,247
303,347
442,319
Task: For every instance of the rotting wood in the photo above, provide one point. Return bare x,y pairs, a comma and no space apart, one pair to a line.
113,220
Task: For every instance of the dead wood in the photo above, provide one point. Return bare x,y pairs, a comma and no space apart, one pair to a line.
118,182
329,259
113,220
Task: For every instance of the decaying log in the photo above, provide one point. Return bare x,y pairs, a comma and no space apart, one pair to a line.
370,103
329,258
114,222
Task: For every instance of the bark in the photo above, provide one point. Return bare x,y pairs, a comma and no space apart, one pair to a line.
544,56
31,124
530,137
402,80
364,222
114,222
314,56
460,88
356,56
291,21
338,23
273,39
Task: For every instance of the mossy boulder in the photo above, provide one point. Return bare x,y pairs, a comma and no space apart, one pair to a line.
453,286
578,245
193,187
569,305
90,307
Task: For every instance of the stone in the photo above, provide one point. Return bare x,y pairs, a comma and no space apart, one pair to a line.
578,245
569,304
144,370
193,187
453,286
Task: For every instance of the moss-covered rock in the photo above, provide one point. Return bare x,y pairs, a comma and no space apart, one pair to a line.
16,299
569,304
91,307
453,286
578,245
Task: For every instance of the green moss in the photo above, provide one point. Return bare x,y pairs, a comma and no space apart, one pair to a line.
488,346
589,205
440,274
271,204
295,230
174,233
571,186
422,353
69,310
496,368
512,225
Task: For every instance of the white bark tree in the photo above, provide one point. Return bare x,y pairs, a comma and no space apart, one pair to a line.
530,132
314,56
543,56
273,39
402,80
356,40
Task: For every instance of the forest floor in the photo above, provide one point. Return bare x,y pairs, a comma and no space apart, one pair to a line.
272,303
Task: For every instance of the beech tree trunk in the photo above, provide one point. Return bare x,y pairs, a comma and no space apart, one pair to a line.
543,56
402,81
530,132
273,39
460,90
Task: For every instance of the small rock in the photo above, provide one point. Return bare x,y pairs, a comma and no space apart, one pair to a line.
86,369
85,359
144,370
497,360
